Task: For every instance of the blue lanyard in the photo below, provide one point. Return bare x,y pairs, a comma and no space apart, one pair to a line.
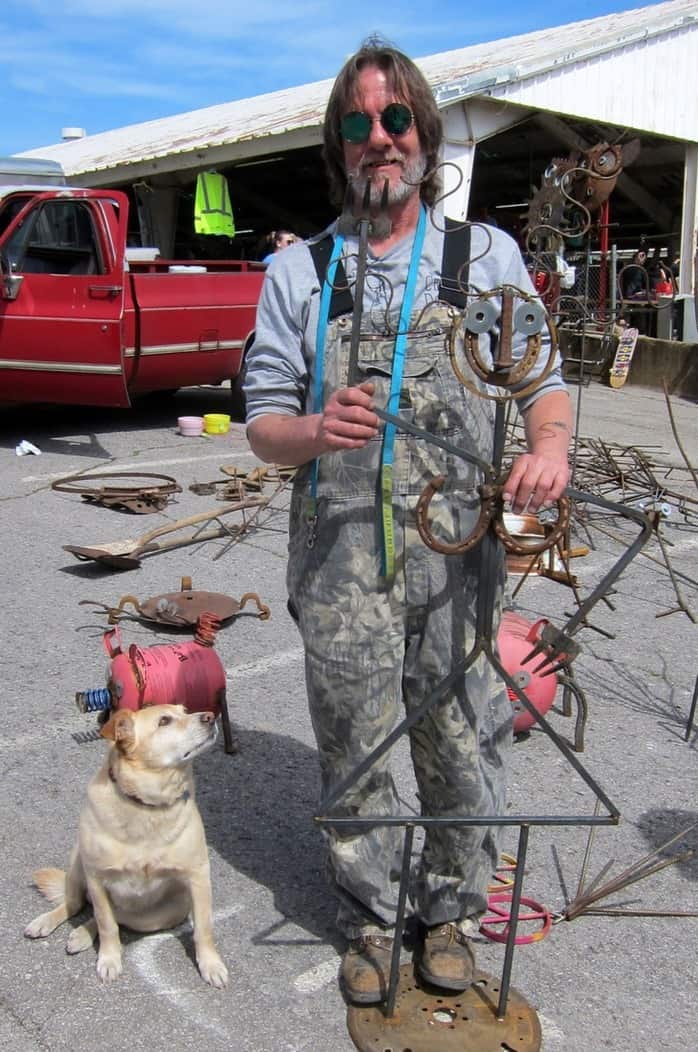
387,453
387,450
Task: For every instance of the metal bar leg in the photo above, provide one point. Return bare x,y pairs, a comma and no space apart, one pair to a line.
513,922
400,920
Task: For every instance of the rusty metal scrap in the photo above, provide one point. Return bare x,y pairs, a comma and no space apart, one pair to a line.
127,554
181,608
588,895
627,475
572,189
140,498
241,482
630,476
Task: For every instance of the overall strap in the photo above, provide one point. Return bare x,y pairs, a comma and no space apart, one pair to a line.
455,263
328,264
341,301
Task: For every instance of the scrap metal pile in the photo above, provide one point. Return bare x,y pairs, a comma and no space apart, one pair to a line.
639,477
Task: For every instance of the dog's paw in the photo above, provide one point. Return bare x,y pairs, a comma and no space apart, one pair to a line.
109,966
81,938
40,927
213,970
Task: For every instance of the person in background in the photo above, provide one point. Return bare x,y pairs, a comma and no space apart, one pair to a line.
659,274
276,241
383,617
634,277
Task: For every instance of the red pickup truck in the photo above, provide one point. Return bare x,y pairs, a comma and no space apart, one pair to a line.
82,322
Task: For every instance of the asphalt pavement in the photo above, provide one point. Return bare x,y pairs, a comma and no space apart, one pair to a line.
598,982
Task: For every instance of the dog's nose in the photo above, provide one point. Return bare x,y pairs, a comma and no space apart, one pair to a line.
207,717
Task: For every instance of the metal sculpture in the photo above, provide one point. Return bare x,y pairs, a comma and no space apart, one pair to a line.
573,188
502,311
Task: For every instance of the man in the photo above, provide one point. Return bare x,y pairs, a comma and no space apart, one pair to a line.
383,617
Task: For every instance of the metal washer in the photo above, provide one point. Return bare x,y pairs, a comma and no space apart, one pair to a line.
427,1020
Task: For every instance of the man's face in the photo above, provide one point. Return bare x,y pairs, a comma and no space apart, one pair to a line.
397,158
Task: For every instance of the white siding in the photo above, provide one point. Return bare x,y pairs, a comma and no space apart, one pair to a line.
650,86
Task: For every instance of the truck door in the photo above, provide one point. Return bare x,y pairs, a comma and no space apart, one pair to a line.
61,337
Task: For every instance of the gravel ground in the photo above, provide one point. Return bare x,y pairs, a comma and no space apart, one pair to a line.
597,982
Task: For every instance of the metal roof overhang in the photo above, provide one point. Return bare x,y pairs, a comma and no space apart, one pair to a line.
202,157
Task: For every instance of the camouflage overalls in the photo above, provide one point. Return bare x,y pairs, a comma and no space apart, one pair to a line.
370,644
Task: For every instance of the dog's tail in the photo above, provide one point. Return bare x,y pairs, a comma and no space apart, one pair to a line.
51,883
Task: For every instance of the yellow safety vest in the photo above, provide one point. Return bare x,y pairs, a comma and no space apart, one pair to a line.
213,213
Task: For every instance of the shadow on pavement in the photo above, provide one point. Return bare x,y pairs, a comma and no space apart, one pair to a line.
258,807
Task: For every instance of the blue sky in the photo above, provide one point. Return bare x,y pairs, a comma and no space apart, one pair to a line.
101,65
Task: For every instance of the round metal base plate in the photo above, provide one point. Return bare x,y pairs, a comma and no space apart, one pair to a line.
430,1020
184,608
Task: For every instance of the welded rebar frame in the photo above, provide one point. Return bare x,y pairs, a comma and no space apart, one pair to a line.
485,644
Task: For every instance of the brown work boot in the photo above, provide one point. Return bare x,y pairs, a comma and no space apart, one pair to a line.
365,970
447,959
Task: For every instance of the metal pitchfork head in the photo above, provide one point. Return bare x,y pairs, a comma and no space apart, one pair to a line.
365,225
351,220
559,649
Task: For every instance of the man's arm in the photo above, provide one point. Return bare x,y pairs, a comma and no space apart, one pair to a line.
347,422
537,478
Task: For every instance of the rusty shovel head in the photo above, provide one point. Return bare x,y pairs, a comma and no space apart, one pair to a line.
99,555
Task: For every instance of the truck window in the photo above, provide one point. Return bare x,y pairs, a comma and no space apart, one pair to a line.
10,209
57,238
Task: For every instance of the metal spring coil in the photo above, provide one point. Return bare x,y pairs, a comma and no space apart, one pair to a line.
96,700
206,628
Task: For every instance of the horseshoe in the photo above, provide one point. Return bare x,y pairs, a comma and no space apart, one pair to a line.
487,496
499,915
491,510
501,378
515,547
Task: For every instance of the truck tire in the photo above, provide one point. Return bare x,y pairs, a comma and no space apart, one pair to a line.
237,395
237,398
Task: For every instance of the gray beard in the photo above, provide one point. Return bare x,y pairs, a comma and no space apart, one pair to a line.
412,175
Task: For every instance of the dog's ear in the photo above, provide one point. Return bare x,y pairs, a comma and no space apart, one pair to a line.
119,729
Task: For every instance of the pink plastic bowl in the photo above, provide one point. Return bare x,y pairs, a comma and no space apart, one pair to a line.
191,426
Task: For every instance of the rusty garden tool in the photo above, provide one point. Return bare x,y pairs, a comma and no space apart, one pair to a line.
127,554
365,225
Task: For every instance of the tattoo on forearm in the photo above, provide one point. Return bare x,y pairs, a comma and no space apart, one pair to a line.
551,428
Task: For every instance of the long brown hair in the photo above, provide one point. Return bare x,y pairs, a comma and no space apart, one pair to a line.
408,85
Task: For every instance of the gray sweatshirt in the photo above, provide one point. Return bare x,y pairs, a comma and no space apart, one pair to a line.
277,368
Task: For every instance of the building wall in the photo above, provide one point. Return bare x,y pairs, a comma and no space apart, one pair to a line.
651,85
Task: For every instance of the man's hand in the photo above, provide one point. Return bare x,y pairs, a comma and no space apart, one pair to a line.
538,478
348,420
536,481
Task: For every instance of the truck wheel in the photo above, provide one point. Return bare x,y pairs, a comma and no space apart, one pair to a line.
237,396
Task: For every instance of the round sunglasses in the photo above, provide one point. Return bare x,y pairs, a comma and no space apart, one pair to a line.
396,119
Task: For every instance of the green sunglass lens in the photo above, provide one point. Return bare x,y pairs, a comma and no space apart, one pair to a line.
396,118
355,126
